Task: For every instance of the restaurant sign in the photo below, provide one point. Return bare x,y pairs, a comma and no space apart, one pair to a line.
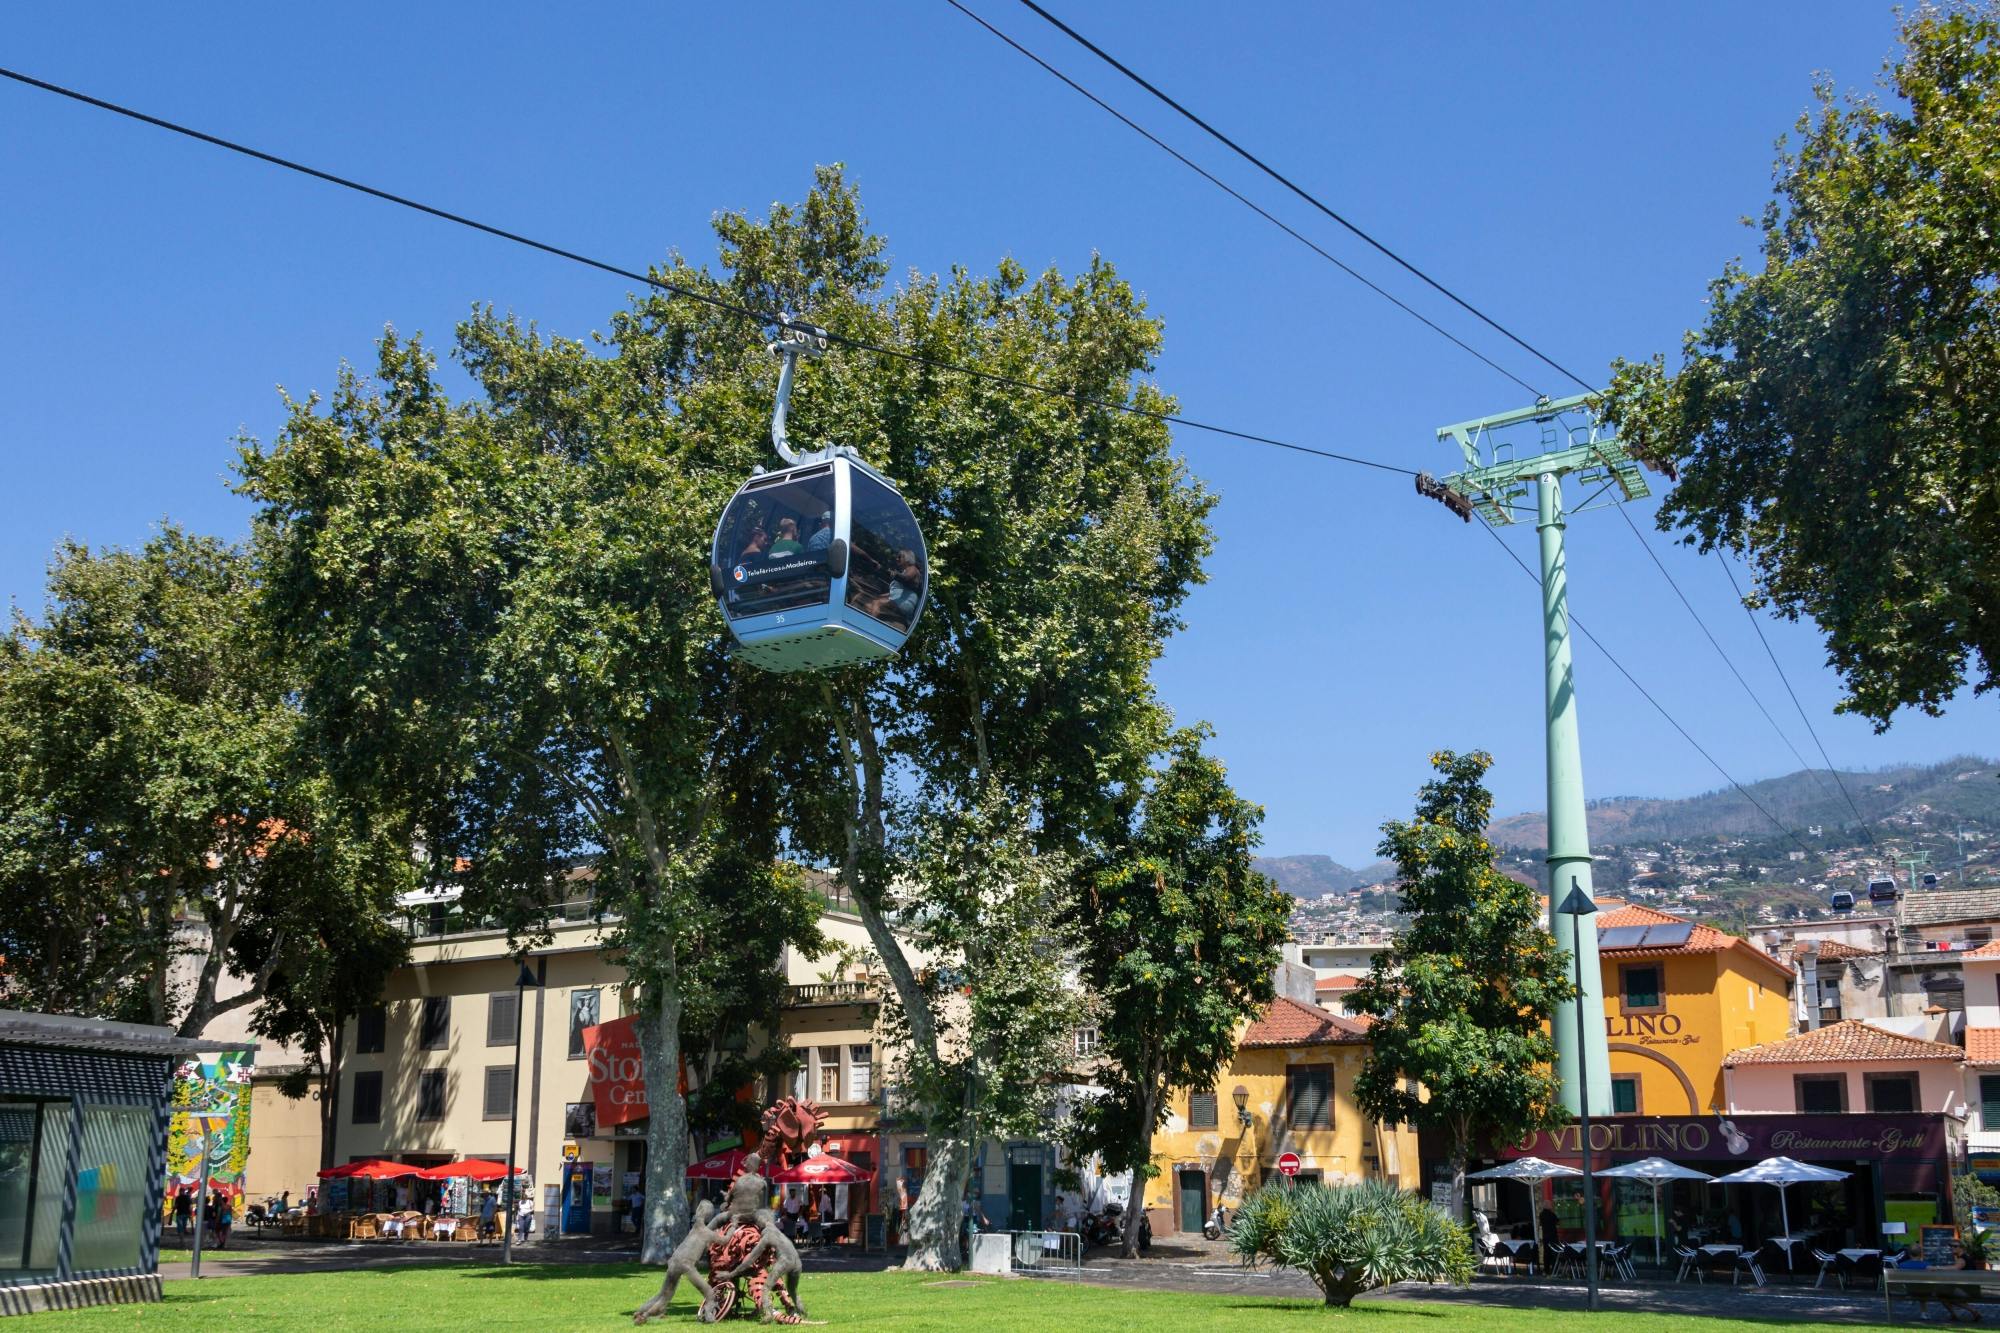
1749,1138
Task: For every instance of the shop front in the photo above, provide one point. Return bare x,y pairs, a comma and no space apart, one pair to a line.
1898,1171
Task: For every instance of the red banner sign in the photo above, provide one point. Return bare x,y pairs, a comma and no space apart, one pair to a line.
617,1071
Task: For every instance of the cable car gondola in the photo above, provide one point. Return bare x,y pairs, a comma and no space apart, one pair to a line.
819,564
1842,900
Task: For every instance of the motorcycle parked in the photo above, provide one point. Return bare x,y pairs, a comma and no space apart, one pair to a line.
1217,1224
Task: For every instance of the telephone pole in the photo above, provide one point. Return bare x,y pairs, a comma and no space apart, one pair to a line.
1496,484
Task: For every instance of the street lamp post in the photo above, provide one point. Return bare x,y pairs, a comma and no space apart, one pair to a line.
1577,906
522,982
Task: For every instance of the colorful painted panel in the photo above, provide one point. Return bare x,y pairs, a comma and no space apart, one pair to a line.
211,1116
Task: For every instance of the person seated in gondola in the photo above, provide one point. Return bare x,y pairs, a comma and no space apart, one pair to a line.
822,536
899,604
788,538
754,549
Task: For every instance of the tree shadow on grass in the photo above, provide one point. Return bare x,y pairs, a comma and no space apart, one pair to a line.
557,1272
1459,1311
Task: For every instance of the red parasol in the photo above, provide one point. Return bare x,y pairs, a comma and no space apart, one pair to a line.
825,1169
371,1170
722,1166
473,1168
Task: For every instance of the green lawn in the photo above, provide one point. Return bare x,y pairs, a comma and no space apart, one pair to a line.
556,1297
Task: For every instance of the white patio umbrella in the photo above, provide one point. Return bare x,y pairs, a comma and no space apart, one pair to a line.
1526,1168
1784,1173
1654,1171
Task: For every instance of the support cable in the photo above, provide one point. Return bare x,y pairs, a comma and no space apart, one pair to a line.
1866,832
1653,555
763,318
1247,202
1658,707
1302,193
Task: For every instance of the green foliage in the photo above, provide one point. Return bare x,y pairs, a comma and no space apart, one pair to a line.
1181,938
152,763
1835,420
1351,1239
1968,1191
1463,996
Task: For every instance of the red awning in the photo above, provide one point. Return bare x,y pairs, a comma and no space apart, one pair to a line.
371,1170
722,1166
472,1168
825,1169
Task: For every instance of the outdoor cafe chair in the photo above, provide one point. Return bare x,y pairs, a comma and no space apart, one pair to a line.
1746,1262
1828,1263
1621,1261
1690,1263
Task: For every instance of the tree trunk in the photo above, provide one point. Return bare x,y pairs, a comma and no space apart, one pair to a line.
329,1094
666,1209
1136,1207
1455,1154
932,1226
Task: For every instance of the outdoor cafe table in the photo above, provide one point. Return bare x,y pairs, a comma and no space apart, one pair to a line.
1522,1251
442,1228
1860,1254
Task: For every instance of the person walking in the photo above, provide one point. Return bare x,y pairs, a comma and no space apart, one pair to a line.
524,1220
635,1203
183,1211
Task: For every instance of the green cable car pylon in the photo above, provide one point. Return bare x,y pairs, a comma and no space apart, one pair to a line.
1498,485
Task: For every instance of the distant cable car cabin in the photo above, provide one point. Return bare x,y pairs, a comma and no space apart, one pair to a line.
819,564
1883,891
1842,900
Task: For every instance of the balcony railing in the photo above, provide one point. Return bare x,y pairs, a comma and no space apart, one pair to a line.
432,921
833,992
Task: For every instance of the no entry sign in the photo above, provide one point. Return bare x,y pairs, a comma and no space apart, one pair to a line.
1288,1165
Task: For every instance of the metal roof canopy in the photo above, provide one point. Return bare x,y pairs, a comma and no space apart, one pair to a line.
103,1034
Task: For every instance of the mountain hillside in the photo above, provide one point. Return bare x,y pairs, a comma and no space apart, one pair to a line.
1962,788
1311,876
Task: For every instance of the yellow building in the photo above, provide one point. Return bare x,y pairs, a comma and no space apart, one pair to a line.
1289,1089
284,1137
1678,998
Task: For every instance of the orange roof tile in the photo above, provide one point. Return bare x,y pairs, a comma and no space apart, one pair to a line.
1838,951
1838,1043
1985,951
1702,939
1982,1046
1286,1022
1341,982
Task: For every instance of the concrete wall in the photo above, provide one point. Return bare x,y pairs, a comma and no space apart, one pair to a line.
284,1140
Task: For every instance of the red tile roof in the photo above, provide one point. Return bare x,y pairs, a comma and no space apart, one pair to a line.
1842,1042
1342,982
1289,1023
1838,951
1702,939
1982,1046
1985,951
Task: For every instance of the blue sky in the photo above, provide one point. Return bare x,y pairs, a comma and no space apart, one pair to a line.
1577,170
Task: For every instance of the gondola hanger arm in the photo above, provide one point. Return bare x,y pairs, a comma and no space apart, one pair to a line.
795,339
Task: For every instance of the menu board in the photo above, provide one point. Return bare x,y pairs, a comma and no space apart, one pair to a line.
1940,1246
875,1232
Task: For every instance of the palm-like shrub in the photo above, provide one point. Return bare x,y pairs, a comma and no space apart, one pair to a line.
1353,1238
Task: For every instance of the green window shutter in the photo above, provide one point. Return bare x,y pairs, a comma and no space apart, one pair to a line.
1989,1101
1311,1097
